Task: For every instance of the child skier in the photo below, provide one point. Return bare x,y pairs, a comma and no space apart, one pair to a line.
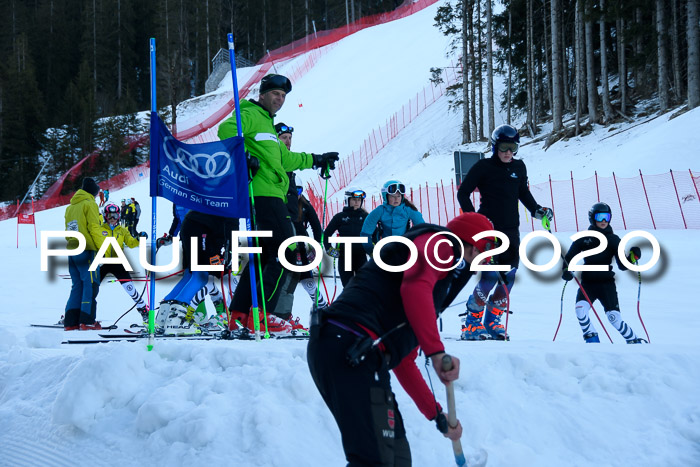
600,285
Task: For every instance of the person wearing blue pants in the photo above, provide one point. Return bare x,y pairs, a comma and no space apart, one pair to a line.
502,182
83,216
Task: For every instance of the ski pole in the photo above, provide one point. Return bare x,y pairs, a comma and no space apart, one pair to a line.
546,225
447,365
639,293
561,311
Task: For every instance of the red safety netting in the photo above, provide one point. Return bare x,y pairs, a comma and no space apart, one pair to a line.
646,202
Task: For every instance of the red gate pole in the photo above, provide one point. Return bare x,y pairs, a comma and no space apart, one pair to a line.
647,197
678,199
624,224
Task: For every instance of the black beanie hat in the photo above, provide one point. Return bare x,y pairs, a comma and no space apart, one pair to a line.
272,81
90,185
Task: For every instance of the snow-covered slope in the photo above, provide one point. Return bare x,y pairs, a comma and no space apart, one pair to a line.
528,402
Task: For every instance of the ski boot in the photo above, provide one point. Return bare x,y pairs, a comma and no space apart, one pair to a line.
472,329
591,337
177,324
162,315
198,315
143,311
275,325
638,340
297,328
492,322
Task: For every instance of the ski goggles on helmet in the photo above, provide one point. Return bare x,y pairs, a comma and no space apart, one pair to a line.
396,188
602,216
285,129
504,147
359,194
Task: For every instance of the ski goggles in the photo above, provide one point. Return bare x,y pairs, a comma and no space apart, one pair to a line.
285,129
395,188
356,194
504,147
112,215
602,216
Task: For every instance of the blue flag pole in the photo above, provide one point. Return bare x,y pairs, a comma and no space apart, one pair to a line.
248,223
152,299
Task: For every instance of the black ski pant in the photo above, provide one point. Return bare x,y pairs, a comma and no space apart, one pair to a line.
604,291
270,214
360,399
359,258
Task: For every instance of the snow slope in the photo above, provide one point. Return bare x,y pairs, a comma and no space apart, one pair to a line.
528,402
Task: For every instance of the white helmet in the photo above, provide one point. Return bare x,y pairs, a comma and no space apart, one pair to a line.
354,193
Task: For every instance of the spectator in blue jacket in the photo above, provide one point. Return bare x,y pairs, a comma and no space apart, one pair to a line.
393,217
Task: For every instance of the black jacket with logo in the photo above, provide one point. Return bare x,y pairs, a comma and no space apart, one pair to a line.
348,223
500,186
604,258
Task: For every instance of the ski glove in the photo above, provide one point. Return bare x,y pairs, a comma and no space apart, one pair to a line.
544,212
325,161
166,239
333,252
567,275
253,164
635,254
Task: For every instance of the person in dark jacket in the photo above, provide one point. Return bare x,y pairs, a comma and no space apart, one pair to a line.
502,182
303,216
600,285
213,234
348,223
377,324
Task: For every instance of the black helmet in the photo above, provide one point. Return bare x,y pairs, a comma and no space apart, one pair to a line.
282,128
599,208
504,134
270,82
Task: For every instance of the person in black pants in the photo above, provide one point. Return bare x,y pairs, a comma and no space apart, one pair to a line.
377,324
348,223
600,285
502,182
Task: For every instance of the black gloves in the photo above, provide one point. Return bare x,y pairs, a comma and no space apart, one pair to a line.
567,275
166,239
634,254
253,165
325,161
544,212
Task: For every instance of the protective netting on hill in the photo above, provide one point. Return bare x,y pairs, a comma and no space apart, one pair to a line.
206,130
646,202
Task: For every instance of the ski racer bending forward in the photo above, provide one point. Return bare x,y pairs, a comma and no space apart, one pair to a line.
377,324
600,285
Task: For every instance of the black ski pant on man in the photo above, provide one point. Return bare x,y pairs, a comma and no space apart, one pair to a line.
360,399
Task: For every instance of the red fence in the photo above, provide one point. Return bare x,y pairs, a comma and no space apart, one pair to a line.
350,166
664,201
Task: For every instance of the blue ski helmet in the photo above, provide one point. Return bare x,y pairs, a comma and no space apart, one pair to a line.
392,187
504,134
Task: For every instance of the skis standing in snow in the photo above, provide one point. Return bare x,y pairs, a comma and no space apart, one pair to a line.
600,285
269,186
83,215
502,182
348,223
377,324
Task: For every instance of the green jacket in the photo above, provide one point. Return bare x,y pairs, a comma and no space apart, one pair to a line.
122,235
82,215
261,142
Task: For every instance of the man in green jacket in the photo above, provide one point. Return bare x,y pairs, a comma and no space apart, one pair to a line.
269,161
83,216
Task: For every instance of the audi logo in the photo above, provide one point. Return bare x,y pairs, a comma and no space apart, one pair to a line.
203,165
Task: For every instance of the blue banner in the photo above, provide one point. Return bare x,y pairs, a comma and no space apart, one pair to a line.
211,178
